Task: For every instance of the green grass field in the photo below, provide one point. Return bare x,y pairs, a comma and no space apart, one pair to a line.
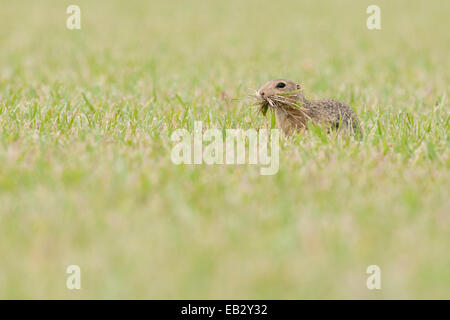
86,176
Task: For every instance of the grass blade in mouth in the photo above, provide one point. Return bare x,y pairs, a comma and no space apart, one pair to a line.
264,107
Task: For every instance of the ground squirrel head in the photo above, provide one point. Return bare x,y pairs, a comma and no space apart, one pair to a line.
277,92
277,87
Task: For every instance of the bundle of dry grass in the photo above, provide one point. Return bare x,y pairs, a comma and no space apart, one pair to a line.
288,103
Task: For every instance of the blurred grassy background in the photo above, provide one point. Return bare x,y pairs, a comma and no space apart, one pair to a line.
89,181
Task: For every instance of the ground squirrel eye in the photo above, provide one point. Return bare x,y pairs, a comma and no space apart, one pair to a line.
281,85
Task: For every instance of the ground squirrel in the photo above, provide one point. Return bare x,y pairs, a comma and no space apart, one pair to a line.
293,111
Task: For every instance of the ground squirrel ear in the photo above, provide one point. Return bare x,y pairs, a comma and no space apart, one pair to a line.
298,87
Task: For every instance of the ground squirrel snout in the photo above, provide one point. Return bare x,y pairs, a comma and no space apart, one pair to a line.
293,111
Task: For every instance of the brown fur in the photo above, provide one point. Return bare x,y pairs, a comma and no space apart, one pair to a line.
293,111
